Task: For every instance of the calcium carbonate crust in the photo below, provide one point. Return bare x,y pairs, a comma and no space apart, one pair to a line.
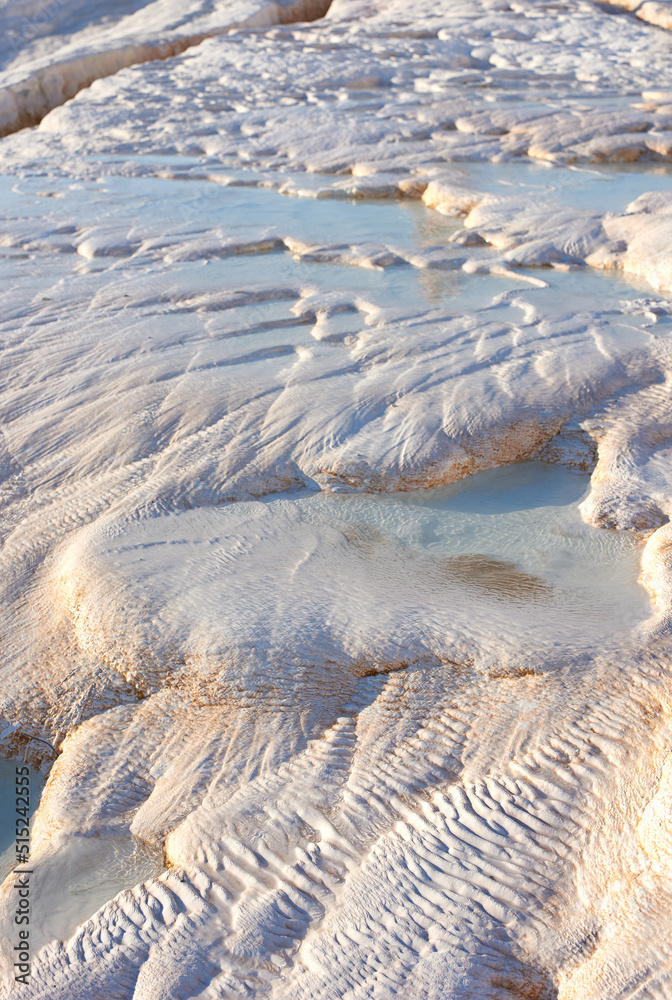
391,803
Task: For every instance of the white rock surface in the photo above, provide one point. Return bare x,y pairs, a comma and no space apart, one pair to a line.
49,52
367,781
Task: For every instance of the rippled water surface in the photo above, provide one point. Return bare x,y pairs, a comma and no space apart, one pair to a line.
132,217
512,534
93,871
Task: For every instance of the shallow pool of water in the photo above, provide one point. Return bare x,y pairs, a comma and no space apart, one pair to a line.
154,226
497,565
70,884
512,535
85,874
14,802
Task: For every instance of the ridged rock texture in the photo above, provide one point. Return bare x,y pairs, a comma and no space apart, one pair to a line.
271,258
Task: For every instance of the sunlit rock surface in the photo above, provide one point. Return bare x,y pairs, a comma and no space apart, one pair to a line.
322,717
49,52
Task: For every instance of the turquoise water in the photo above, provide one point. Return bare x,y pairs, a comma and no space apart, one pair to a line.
195,200
133,216
91,871
512,537
69,885
8,809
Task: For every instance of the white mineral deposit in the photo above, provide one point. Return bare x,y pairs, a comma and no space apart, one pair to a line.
335,498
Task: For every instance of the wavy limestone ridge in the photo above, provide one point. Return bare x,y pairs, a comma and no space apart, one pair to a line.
364,814
395,127
413,826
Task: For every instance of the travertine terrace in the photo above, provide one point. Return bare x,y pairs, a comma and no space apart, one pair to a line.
273,275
